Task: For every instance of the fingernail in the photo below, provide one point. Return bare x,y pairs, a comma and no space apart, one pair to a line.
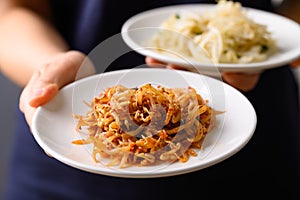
38,92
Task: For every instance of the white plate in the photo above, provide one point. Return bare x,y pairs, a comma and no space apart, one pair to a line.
143,26
54,127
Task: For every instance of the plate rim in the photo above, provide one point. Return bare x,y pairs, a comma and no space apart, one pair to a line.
120,173
250,67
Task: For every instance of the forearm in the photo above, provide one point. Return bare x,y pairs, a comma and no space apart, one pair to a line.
27,40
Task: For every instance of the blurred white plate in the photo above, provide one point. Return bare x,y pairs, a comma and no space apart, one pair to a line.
54,127
143,26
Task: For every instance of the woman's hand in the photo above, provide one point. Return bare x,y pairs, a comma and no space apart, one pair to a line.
241,81
60,70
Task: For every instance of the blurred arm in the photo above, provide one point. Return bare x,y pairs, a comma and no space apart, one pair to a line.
27,38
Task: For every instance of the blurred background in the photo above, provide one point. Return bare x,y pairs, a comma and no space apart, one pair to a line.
10,93
8,101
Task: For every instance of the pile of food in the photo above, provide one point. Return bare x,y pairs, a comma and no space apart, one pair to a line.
224,34
146,125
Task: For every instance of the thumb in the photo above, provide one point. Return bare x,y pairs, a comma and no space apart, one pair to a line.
62,70
50,77
42,94
37,92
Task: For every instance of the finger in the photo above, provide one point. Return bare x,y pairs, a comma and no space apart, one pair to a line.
48,154
48,79
171,66
296,63
56,74
28,103
242,81
158,64
154,63
42,96
40,89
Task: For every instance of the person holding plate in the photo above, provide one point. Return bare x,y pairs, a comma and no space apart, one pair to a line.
43,44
